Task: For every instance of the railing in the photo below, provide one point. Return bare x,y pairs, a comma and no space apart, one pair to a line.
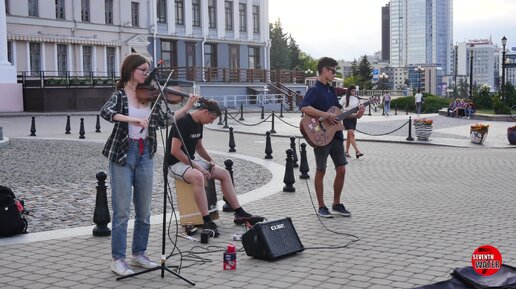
234,101
196,74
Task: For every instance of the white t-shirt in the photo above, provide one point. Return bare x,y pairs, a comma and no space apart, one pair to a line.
419,96
353,102
134,131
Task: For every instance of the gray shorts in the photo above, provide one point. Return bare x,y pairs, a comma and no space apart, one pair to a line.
179,169
335,149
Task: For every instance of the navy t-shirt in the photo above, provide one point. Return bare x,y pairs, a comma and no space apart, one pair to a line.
322,97
191,132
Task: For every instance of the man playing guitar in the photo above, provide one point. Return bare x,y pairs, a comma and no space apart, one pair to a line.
317,101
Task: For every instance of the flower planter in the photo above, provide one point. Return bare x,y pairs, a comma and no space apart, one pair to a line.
423,131
511,136
478,136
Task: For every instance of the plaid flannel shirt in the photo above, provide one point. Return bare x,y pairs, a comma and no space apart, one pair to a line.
117,145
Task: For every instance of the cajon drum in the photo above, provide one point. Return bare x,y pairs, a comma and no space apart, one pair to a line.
188,210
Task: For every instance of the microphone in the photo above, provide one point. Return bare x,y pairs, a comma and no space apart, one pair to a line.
152,74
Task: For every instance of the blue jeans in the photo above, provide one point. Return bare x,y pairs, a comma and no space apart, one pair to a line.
418,107
387,106
137,174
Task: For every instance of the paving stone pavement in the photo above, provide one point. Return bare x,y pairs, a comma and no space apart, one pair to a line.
418,210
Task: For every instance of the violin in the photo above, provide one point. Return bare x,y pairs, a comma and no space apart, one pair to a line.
146,93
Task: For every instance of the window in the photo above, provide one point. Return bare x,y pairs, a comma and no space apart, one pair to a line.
254,57
7,7
196,13
242,16
108,5
61,59
256,19
10,52
162,11
33,8
212,13
180,12
85,10
135,14
87,59
228,7
35,58
169,52
60,9
210,55
110,61
234,59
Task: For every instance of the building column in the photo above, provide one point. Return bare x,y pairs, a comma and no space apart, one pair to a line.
11,98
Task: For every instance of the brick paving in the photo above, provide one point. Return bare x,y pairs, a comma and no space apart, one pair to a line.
419,211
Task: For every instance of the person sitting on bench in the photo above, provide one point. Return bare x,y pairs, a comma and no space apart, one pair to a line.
183,147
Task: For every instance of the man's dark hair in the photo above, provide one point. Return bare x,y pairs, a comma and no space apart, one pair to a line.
326,62
211,105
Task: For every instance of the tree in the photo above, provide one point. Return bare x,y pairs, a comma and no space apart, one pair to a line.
280,54
354,68
365,73
295,60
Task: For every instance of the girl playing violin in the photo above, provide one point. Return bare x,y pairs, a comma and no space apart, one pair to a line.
130,150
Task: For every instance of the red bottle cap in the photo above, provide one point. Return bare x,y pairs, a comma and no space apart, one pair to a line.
231,248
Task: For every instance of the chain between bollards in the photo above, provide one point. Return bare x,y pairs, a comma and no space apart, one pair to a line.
288,178
268,146
101,214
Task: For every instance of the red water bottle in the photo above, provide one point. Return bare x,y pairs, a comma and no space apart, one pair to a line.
229,258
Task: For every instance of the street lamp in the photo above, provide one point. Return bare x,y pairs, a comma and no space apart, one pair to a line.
419,69
383,79
471,71
504,42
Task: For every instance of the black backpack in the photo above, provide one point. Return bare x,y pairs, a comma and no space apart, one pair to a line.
12,221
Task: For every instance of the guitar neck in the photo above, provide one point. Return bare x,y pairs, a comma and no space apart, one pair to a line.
351,111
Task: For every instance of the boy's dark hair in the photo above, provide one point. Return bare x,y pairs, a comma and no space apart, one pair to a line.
211,105
326,62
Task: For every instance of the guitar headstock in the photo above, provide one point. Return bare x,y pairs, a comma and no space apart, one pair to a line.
374,100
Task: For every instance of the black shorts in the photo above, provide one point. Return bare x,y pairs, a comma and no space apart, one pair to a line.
350,123
335,149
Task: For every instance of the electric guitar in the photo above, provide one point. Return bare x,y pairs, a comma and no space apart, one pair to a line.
319,132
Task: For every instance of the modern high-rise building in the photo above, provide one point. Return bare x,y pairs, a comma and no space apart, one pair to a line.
385,33
421,32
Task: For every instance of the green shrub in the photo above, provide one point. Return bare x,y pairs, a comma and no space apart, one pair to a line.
499,107
431,103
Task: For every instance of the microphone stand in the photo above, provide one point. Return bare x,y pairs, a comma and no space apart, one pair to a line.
163,267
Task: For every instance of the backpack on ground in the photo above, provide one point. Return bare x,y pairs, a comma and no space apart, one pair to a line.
12,221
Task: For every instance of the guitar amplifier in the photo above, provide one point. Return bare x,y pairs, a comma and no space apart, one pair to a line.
272,240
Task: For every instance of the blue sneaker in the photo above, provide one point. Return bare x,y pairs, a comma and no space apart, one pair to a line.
324,212
341,210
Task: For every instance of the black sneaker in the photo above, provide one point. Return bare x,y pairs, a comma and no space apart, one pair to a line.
211,228
245,217
341,210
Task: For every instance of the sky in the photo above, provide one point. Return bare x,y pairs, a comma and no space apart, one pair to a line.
349,29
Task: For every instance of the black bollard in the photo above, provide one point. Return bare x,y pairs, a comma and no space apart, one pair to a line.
229,167
268,146
281,110
303,168
241,112
288,179
231,141
220,120
294,151
33,126
67,127
369,110
410,138
263,113
406,110
97,125
225,118
395,110
375,109
101,214
81,129
272,123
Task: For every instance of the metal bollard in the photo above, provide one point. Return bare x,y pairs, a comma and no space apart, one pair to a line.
33,126
67,127
288,178
294,151
272,123
410,138
395,110
241,112
101,214
268,146
263,113
231,141
281,110
225,118
97,125
303,168
229,167
220,120
369,111
81,129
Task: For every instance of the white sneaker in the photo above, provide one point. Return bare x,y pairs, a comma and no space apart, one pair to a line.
121,267
142,261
